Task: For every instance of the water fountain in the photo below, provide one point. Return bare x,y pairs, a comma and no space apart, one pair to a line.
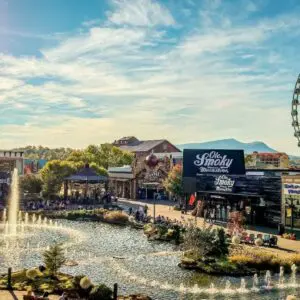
13,204
268,280
4,216
228,289
26,219
212,289
281,277
293,282
243,288
255,285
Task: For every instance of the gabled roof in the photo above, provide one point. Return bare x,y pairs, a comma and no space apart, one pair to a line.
86,174
143,146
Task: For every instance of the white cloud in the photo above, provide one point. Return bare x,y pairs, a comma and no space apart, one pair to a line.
97,40
128,77
140,13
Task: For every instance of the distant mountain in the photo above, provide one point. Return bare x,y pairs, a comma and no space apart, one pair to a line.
229,144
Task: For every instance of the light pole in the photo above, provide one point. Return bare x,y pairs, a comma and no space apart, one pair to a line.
154,202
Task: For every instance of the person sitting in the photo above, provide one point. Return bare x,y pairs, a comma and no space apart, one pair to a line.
29,296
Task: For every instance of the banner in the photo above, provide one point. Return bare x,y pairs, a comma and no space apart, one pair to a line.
199,162
32,166
192,199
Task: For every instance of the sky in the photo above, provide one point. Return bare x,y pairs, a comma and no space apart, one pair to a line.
74,73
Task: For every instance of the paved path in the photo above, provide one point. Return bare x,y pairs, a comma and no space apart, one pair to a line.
165,208
16,295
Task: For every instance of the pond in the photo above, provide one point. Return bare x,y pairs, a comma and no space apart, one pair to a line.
123,255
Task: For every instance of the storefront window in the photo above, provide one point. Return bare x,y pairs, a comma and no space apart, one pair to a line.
292,210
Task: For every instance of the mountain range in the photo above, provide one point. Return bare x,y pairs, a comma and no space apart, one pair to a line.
229,144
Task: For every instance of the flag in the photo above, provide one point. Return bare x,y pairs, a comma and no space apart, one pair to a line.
192,199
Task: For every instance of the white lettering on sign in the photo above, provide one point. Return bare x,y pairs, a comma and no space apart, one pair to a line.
213,162
153,176
7,181
224,183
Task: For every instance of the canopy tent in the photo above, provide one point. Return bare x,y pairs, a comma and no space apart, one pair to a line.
88,175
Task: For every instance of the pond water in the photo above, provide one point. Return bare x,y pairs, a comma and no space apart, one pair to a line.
112,254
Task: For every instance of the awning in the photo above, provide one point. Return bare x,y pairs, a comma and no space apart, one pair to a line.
231,194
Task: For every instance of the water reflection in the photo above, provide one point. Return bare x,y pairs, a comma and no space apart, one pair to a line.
112,254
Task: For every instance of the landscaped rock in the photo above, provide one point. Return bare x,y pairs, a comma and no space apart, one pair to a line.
71,263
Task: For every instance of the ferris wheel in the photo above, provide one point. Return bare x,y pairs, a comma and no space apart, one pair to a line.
295,104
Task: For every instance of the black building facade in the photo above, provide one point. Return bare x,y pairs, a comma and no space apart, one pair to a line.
257,195
221,183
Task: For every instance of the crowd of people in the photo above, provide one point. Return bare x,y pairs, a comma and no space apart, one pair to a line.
61,203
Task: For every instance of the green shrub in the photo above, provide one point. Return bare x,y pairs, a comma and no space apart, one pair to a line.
32,274
206,242
116,217
100,292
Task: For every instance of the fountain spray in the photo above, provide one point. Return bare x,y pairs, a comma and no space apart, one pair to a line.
14,200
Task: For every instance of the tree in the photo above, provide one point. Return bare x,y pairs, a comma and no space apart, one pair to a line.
40,152
249,160
99,170
205,242
173,182
53,174
112,156
54,258
31,183
103,156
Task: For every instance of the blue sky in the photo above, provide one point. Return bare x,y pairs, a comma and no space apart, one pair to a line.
79,72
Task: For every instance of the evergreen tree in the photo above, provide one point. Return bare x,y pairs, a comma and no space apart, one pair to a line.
54,258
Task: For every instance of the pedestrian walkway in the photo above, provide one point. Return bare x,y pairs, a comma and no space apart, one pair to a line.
166,209
17,295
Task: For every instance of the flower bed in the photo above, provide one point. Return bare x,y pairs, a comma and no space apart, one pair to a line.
101,215
170,233
262,259
76,287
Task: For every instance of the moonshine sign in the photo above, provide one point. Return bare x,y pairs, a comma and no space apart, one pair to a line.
199,162
224,184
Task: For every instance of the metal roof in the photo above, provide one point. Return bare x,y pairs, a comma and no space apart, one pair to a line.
143,146
123,169
87,174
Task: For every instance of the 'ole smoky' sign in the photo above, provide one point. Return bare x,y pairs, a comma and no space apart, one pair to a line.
199,162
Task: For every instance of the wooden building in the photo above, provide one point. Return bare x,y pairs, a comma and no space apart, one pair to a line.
153,159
